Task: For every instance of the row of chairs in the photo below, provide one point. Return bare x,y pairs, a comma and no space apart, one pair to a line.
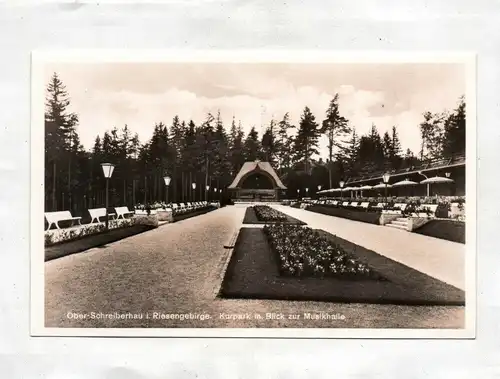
399,207
182,208
54,218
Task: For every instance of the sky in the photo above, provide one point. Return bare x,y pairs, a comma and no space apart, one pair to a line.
105,95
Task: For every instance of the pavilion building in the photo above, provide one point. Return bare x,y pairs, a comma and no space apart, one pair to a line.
257,181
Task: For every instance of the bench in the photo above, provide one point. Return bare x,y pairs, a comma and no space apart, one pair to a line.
95,213
122,212
365,205
354,204
53,218
345,204
401,206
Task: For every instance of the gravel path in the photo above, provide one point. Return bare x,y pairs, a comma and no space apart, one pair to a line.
178,269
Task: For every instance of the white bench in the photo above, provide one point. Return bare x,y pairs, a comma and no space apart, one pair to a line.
95,213
122,212
53,218
354,204
401,206
365,205
345,204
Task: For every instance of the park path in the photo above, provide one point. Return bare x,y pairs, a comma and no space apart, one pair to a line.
441,259
178,268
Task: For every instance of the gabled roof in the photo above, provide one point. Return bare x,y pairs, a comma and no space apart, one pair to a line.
256,166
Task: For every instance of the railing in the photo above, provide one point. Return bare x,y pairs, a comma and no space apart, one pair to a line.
428,165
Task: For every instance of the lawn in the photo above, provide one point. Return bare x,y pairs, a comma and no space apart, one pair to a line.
255,271
450,230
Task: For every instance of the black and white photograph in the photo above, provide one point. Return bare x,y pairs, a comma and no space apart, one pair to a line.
260,193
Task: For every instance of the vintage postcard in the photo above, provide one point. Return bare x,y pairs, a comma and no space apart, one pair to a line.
253,194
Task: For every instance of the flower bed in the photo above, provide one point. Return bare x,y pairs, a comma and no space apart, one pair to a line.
254,272
304,252
55,236
372,217
266,213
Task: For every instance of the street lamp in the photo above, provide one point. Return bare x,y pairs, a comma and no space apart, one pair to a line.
319,187
341,184
448,174
207,188
428,184
194,188
307,190
386,178
167,180
298,193
107,169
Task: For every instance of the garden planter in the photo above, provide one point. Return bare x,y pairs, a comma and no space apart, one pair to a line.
165,215
456,212
148,220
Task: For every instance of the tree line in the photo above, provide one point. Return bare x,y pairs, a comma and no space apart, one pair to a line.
211,154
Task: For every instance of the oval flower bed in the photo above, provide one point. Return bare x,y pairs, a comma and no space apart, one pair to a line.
304,252
266,213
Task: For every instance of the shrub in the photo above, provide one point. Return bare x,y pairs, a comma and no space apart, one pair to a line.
266,213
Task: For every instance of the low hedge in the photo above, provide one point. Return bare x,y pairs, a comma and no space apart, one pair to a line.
356,215
444,229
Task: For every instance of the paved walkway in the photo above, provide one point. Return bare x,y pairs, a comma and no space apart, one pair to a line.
178,268
441,259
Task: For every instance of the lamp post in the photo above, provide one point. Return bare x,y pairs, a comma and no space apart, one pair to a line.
319,188
386,178
428,185
194,193
298,193
307,191
107,169
167,180
207,188
341,184
220,194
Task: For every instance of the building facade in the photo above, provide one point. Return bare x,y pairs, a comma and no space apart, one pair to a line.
256,181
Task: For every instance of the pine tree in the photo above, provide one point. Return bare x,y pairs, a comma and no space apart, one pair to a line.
351,154
60,133
396,150
334,126
454,136
388,151
432,131
306,141
251,146
284,144
269,145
